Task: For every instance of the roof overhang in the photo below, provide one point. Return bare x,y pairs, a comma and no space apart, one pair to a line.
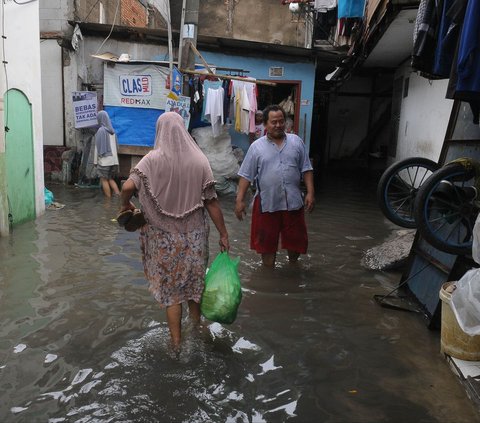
395,44
221,44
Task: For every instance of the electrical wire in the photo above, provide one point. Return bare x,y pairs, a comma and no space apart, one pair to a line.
23,2
111,29
4,61
6,108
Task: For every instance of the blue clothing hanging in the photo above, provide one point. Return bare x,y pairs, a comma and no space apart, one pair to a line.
351,8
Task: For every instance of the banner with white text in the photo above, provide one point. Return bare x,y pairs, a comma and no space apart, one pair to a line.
134,97
84,108
140,86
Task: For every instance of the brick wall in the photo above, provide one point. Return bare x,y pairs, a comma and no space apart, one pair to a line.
134,13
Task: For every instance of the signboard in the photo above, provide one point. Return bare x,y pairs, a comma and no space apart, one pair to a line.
177,82
138,86
276,71
84,108
180,106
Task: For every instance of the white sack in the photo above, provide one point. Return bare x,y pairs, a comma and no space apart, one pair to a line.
465,302
218,151
476,240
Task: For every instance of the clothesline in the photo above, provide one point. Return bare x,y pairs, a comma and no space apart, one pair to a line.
236,78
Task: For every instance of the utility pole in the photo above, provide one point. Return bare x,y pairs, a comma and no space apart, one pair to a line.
188,35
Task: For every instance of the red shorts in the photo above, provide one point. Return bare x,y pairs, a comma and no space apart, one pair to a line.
267,228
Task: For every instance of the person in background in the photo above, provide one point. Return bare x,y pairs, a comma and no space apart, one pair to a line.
105,157
259,127
277,162
175,187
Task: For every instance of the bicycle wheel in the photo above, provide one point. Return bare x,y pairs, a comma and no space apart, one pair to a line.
398,188
446,210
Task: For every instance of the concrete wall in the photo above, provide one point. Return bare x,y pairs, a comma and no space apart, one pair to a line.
259,68
52,92
424,117
266,21
54,15
22,52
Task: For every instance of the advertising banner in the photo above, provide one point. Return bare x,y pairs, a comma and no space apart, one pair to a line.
134,97
180,106
84,108
177,82
138,86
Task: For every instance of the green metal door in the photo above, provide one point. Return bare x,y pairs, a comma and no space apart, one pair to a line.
19,157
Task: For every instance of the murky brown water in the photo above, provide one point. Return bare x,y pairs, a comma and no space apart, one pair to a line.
82,340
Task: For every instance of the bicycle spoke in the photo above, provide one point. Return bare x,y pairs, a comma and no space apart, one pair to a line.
440,227
398,178
425,174
453,229
400,206
446,202
415,178
445,217
409,176
399,199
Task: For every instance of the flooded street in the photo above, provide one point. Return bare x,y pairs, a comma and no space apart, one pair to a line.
82,339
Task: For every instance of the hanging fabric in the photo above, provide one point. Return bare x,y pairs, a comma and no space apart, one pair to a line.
288,105
351,8
214,109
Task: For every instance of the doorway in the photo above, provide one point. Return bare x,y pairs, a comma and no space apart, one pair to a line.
19,156
283,91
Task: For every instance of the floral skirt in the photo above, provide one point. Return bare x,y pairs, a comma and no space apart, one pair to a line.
174,263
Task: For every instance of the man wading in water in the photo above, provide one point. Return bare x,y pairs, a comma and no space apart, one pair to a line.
276,163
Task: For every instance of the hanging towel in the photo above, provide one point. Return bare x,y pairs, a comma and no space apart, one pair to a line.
214,109
351,8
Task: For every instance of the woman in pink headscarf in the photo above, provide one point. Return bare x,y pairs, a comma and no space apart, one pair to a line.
175,187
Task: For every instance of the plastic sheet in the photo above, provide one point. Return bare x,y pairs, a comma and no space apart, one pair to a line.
465,302
476,241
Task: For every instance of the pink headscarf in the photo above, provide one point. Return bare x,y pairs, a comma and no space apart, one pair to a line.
175,172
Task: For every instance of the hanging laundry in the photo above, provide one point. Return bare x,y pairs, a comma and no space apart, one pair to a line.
253,110
245,112
214,109
243,93
323,6
206,85
424,37
468,66
351,8
288,106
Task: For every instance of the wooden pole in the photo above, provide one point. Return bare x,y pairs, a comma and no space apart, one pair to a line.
180,38
235,78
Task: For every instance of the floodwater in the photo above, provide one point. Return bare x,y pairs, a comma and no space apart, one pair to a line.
82,340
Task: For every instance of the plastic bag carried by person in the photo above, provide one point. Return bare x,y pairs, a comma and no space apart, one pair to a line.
222,294
465,302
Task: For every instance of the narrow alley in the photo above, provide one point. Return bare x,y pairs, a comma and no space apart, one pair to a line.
82,339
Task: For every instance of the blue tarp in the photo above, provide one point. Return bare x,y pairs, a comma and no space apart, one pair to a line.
351,8
134,126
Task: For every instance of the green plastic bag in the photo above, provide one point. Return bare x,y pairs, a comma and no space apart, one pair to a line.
223,293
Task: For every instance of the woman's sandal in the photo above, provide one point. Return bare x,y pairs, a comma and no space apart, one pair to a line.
136,221
124,217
